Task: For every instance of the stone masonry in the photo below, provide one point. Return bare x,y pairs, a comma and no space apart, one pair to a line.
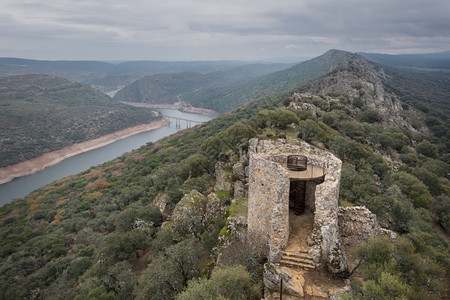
268,201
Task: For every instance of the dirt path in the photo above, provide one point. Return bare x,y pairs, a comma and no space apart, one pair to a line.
141,264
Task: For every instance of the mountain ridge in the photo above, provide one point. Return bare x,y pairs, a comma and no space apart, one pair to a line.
91,234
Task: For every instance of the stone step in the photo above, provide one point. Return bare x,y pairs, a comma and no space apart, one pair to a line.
298,260
300,254
291,264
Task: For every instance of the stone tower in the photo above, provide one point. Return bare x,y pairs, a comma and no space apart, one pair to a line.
278,193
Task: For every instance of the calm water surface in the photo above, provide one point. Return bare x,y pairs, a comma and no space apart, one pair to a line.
20,187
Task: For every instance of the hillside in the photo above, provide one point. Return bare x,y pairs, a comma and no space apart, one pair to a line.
419,61
111,77
43,113
420,80
221,93
167,221
189,86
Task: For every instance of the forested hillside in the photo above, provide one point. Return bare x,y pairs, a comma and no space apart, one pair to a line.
222,93
109,77
43,113
162,222
174,87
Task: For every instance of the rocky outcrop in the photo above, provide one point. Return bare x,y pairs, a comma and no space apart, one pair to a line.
224,180
361,79
188,215
293,280
215,208
161,201
195,212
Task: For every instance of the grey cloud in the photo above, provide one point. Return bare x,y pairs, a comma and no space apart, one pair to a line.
223,29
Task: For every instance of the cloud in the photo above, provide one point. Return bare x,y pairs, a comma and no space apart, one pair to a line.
219,29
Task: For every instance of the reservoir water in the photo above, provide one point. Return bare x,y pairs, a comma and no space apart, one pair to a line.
20,187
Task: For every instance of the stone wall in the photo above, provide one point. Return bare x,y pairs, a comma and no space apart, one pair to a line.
269,199
357,223
268,205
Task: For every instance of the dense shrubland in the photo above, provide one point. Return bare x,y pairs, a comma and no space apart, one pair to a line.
100,235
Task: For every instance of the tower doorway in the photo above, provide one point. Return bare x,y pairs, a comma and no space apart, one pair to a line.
297,197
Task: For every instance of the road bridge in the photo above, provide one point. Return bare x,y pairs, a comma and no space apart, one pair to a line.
178,121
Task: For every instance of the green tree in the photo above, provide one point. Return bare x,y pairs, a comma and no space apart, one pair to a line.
369,116
225,283
428,149
311,130
393,138
413,188
169,273
121,246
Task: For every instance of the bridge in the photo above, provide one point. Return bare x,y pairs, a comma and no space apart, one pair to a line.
189,123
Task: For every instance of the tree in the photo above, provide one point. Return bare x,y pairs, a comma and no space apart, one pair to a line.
428,149
348,149
369,116
225,283
393,138
169,273
413,188
120,246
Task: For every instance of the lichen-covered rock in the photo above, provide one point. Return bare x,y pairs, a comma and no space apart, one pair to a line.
239,190
223,178
160,202
239,170
293,280
235,229
189,213
215,208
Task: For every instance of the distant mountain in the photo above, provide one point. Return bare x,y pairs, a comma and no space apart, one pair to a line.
173,87
42,113
222,92
150,224
109,77
429,60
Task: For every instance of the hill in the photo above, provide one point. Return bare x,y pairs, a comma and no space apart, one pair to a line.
110,77
222,92
420,80
168,220
42,113
169,88
422,61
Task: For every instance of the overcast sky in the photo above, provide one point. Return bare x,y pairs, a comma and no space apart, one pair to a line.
218,29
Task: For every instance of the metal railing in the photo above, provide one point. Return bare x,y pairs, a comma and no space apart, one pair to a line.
297,162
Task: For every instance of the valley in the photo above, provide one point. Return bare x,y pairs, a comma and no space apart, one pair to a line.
204,213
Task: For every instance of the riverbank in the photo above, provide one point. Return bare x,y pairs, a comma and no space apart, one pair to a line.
181,106
52,158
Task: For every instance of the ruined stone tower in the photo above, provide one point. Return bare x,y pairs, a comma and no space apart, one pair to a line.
284,200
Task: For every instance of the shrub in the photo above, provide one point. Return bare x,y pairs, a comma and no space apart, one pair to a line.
428,149
369,116
413,188
225,283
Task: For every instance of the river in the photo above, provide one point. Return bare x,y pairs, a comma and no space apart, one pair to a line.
20,187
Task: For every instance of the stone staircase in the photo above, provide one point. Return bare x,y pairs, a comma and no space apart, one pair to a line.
297,259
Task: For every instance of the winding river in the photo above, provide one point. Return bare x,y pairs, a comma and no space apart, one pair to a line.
20,187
